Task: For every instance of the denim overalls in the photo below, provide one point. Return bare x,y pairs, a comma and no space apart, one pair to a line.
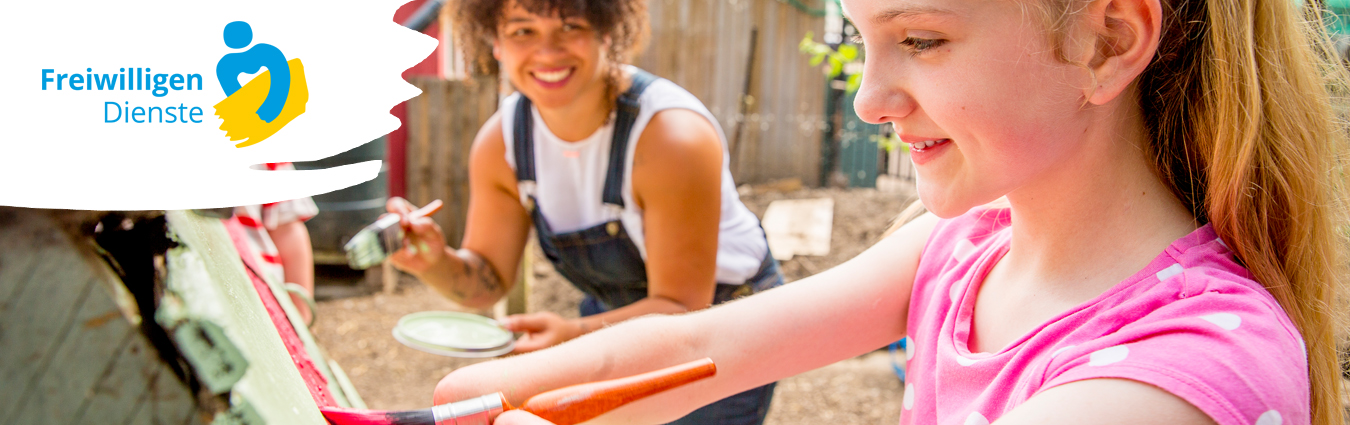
603,262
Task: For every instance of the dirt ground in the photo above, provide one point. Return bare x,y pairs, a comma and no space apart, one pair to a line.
355,330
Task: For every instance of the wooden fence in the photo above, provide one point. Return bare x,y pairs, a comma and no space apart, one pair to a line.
704,46
441,124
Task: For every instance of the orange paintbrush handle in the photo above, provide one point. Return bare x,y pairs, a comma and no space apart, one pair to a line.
579,403
429,209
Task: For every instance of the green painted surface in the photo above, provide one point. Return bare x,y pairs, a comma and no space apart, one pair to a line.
858,151
216,361
34,310
137,385
241,412
70,348
44,353
1337,18
271,385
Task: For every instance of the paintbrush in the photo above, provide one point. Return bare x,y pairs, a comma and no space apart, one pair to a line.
563,406
375,242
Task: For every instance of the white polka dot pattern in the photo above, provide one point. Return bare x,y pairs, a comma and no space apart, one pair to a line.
963,249
1271,417
1170,271
1060,350
909,348
1183,331
976,418
1227,321
1108,355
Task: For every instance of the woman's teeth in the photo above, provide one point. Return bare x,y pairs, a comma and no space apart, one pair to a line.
918,146
554,76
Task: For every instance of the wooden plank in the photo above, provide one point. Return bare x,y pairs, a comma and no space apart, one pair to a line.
94,333
24,232
272,385
128,377
170,401
418,148
799,227
142,414
701,45
458,118
36,322
437,115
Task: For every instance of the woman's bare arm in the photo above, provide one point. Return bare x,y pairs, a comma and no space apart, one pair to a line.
484,268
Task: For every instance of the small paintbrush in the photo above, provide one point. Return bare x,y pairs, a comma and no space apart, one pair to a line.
375,242
563,406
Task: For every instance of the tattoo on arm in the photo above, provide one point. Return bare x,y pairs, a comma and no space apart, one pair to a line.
477,278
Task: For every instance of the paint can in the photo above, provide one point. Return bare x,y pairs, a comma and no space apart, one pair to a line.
454,334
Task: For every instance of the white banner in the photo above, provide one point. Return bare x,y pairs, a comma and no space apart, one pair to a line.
157,104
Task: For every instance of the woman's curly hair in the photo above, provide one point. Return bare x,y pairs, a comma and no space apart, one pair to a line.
623,22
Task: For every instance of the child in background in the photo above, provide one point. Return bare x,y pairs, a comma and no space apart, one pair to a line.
280,244
1170,249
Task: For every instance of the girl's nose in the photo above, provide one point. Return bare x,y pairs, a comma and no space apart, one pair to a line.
882,97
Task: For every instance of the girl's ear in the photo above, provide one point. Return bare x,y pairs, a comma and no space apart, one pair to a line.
1127,34
496,49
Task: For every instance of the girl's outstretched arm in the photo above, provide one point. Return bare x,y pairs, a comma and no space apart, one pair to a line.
843,312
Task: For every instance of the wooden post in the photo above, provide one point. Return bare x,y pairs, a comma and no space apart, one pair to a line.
388,278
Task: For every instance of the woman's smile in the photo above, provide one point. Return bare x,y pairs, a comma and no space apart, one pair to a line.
553,78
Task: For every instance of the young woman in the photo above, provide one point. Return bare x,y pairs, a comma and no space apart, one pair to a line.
1169,252
623,176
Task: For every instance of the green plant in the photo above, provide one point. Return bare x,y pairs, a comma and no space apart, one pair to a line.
890,141
837,59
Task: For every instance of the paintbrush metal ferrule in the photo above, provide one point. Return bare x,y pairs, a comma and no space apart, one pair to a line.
475,411
370,246
374,243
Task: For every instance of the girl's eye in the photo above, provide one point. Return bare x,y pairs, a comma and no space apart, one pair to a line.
919,45
521,32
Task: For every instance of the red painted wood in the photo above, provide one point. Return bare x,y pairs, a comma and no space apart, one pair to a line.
314,380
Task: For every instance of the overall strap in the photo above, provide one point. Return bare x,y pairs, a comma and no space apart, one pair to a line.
625,116
523,146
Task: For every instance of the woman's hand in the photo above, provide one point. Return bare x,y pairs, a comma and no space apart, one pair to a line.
519,417
542,330
424,243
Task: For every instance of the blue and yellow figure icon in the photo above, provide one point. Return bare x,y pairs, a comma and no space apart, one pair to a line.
263,106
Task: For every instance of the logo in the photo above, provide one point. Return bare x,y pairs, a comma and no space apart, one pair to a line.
257,110
148,104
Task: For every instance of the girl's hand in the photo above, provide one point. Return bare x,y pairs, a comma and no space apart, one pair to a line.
542,330
519,417
424,243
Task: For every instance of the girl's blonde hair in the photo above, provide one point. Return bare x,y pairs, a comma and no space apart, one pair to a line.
1242,103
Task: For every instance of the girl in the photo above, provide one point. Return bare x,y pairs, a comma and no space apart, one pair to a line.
623,176
1169,250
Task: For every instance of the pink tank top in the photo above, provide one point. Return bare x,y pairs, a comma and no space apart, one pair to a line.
1192,323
